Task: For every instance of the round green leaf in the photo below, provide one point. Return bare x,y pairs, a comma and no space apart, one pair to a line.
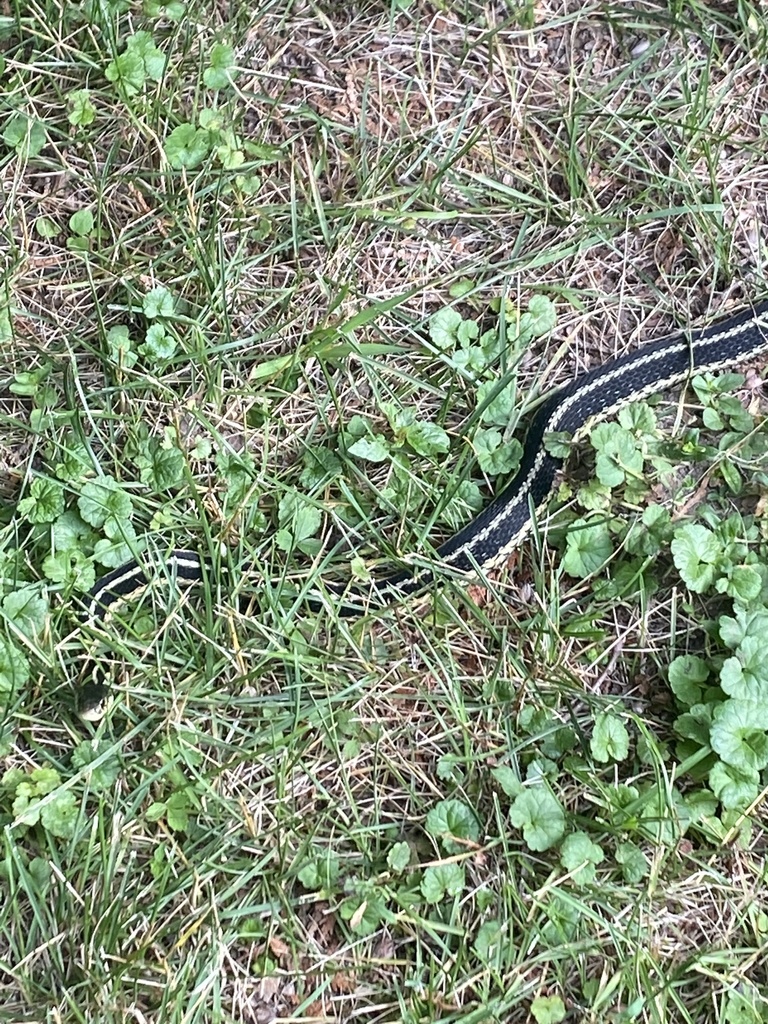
186,147
587,548
738,734
610,739
451,821
538,813
443,328
14,668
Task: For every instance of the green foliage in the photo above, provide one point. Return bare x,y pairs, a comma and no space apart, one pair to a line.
44,503
724,696
588,547
81,223
38,798
120,347
172,10
539,814
139,62
26,609
176,809
160,465
81,109
579,855
158,304
495,456
492,901
14,669
371,449
104,500
610,739
71,568
454,824
481,356
36,385
722,411
221,70
25,135
320,872
618,459
159,347
237,472
444,328
423,437
738,734
365,909
548,1009
442,880
399,857
46,228
634,863
299,523
491,944
187,146
746,1005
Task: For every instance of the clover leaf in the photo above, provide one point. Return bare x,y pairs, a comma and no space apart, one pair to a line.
371,449
634,863
160,468
186,147
81,110
142,45
27,610
44,502
443,328
540,318
498,406
399,857
734,787
120,544
610,739
687,674
548,1009
103,499
27,136
746,674
491,943
442,880
538,812
579,855
696,551
426,438
221,70
14,668
738,734
452,821
299,520
70,567
127,70
618,458
494,455
587,548
158,303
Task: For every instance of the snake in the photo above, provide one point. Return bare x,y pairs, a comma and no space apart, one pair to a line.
486,542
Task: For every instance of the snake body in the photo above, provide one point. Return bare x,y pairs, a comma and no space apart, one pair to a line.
486,542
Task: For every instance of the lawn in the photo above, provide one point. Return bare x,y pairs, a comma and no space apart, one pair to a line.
282,284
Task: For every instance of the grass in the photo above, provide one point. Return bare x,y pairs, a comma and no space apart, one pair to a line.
251,833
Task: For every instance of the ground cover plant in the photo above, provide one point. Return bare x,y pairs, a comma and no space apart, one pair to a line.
283,283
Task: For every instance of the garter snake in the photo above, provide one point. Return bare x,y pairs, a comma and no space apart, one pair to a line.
486,542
